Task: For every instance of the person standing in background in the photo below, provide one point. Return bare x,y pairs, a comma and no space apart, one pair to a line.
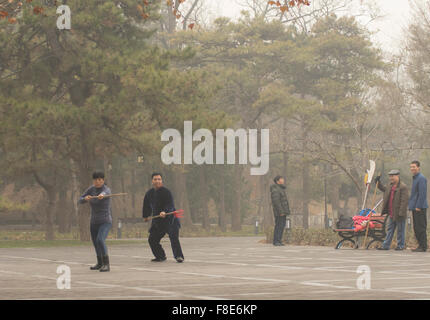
281,209
418,205
395,204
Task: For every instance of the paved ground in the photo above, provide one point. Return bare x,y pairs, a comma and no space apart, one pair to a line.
216,268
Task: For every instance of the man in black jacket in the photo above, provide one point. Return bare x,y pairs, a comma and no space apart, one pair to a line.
280,209
159,201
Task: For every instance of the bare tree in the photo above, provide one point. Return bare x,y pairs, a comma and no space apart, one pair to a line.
303,16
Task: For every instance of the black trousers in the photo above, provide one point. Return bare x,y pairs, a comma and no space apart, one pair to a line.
280,222
420,227
155,236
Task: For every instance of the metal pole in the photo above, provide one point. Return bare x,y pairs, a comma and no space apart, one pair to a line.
325,203
288,230
119,229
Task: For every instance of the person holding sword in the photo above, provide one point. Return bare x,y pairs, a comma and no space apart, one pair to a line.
159,201
98,196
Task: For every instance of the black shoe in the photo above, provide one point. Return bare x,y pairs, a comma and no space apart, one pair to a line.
418,250
158,260
98,265
382,248
105,267
278,244
180,260
399,249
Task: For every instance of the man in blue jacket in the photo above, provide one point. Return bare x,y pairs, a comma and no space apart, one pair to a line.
418,205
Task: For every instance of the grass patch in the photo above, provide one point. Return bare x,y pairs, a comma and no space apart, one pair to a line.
215,231
59,243
131,234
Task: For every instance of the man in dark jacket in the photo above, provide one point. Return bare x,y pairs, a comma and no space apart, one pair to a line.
280,208
159,201
418,205
395,204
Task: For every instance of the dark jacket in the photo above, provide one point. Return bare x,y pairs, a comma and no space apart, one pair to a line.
279,199
156,201
101,210
418,197
400,200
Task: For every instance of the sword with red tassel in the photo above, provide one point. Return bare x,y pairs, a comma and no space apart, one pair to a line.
178,214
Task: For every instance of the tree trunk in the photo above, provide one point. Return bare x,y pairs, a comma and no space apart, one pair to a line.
305,182
70,211
122,201
265,202
344,209
204,199
285,153
51,191
333,195
85,164
49,224
221,212
133,191
62,210
236,224
171,20
57,212
74,194
190,11
112,172
84,209
182,196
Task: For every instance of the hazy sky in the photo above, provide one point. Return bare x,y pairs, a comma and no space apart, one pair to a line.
389,29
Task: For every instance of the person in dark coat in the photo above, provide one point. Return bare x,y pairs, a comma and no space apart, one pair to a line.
418,205
395,204
281,209
159,201
101,218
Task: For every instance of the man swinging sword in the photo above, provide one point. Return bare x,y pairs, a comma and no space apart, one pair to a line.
98,196
159,201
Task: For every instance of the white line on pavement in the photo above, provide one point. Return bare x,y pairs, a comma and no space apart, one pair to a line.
216,275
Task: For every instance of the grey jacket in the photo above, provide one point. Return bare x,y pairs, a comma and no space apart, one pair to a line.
101,210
